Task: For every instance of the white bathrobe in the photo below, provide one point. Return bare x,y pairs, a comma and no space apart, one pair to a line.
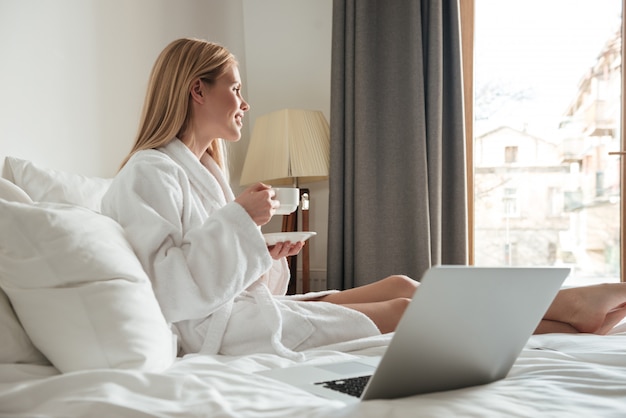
210,267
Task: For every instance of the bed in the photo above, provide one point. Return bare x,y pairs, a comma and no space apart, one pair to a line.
83,336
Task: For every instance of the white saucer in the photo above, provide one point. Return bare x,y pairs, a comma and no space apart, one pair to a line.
276,237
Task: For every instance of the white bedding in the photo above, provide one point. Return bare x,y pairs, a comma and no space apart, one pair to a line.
572,375
556,375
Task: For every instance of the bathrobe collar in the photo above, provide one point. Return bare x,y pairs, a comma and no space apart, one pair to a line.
204,174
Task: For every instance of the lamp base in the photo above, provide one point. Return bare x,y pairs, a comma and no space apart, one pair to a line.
290,224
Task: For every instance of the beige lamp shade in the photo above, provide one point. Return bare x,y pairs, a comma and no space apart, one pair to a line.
287,147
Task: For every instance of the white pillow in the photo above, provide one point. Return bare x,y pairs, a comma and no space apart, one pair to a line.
16,347
48,185
79,291
12,193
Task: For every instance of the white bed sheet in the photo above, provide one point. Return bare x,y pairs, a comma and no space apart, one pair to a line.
555,375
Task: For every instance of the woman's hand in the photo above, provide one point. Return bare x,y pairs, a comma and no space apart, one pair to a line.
258,201
285,249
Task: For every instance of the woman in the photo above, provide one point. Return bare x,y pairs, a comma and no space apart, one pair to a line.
217,282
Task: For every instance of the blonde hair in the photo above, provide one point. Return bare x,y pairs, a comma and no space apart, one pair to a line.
166,110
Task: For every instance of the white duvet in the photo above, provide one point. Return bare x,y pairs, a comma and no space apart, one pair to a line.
555,375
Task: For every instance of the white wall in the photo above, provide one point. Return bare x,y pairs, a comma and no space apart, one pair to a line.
73,75
74,72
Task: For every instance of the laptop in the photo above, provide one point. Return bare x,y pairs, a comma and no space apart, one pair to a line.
464,327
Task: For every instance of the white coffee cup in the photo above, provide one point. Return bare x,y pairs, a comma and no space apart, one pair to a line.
289,198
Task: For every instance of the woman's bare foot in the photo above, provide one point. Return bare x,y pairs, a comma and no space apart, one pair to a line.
590,309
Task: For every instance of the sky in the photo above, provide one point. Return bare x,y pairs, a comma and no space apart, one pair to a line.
542,47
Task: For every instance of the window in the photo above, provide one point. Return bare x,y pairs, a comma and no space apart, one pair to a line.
510,254
553,80
555,202
599,183
510,154
510,202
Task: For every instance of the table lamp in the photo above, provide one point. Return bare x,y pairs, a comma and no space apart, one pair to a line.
290,147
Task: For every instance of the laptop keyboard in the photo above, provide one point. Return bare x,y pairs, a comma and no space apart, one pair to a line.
353,386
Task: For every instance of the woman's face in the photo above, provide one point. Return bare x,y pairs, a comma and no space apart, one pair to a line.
224,108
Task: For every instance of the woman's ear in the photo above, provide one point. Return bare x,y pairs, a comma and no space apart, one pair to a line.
197,91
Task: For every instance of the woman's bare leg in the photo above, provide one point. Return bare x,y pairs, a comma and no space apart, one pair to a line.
547,326
389,288
385,314
590,309
384,301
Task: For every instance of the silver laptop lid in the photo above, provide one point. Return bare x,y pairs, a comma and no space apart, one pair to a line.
465,326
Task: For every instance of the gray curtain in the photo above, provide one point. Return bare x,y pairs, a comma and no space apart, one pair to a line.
397,171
